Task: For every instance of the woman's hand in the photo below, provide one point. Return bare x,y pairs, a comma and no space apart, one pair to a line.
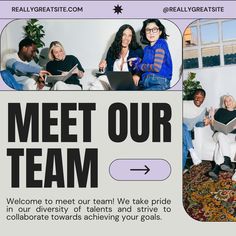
79,73
136,79
211,113
207,121
102,65
131,61
135,63
64,73
44,72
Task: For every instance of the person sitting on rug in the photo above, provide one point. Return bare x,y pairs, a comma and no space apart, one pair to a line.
60,63
194,114
124,48
222,153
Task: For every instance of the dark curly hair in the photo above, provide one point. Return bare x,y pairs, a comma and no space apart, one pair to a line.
116,46
162,28
26,42
201,91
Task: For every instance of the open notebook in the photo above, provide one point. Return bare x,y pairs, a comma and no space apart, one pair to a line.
225,128
51,79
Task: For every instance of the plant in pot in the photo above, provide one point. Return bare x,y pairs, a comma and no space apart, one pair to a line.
190,85
35,31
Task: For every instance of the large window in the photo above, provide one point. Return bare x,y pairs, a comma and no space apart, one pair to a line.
191,59
229,30
230,54
209,43
209,33
191,36
210,56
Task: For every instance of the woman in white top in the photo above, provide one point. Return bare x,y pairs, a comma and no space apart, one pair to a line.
123,48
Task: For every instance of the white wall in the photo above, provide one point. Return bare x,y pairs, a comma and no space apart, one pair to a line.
89,39
217,81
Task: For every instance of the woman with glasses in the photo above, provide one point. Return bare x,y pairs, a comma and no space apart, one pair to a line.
60,64
124,48
156,66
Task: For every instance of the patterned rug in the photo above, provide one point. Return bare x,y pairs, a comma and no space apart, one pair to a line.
207,200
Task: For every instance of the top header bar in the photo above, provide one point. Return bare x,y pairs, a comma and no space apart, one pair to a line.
119,10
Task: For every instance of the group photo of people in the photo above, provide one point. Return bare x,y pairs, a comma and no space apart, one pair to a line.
91,54
145,55
209,120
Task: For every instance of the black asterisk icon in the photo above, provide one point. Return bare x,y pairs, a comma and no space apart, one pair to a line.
118,9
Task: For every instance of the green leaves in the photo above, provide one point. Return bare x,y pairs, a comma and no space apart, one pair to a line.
190,85
35,31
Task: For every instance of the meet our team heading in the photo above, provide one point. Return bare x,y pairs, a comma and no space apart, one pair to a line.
37,120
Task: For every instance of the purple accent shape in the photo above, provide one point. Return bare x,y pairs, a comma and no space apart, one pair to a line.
137,169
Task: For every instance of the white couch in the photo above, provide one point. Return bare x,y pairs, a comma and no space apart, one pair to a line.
205,146
88,78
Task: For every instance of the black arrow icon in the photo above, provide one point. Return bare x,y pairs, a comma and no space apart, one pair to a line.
146,169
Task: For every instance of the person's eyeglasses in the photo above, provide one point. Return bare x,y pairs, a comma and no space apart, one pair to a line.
153,30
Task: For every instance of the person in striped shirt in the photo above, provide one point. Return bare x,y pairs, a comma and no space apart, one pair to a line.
156,65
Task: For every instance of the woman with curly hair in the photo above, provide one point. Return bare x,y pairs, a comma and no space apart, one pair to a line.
123,48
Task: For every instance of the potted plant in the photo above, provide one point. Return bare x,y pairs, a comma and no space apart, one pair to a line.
190,85
35,31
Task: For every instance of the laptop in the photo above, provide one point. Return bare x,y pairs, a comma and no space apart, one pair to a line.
121,80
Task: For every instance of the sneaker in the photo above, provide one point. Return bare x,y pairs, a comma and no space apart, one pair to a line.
227,165
214,173
234,176
195,158
185,170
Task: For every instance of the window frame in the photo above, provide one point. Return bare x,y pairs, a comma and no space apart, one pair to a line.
200,46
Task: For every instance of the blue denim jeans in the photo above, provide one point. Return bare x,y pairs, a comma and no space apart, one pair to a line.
154,82
187,143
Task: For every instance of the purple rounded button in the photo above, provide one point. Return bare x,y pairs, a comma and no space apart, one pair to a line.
140,169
